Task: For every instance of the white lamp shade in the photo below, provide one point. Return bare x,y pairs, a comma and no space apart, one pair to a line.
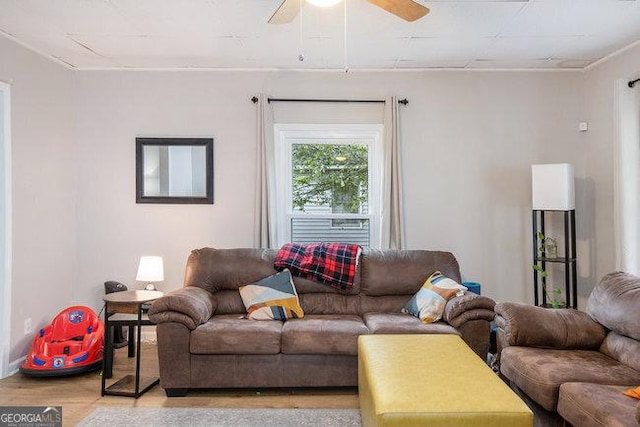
553,187
150,269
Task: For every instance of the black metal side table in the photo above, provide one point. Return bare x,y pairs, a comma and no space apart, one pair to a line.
126,309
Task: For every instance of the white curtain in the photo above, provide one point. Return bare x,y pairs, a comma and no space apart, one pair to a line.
627,177
264,218
392,223
265,210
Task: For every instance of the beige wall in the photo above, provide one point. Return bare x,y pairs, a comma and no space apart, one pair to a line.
44,166
598,211
469,138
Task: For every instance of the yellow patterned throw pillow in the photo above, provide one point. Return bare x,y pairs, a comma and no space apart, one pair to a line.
428,304
272,298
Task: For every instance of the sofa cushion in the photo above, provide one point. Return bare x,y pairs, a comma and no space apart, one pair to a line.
389,272
539,372
232,334
218,269
429,302
229,302
323,334
531,326
273,297
614,303
401,323
589,404
329,303
383,304
623,349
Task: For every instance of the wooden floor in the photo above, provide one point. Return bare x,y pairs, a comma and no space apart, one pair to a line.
79,395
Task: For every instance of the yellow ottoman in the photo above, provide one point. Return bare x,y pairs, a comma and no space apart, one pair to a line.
432,380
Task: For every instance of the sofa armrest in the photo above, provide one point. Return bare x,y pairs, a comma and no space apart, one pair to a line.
468,307
190,306
531,326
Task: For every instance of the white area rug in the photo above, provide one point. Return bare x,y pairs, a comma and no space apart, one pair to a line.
113,417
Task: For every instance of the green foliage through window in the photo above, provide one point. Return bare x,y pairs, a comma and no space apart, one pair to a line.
333,175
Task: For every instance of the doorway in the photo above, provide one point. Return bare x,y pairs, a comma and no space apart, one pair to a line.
5,228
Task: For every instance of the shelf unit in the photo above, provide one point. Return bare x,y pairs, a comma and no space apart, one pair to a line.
568,260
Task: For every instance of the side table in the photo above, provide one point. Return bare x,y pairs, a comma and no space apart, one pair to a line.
126,309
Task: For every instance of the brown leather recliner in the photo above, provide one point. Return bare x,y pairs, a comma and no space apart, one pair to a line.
204,341
572,363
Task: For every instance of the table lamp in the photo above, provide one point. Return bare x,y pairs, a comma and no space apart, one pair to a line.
150,270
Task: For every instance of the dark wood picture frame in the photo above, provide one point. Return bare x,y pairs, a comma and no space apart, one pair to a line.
141,197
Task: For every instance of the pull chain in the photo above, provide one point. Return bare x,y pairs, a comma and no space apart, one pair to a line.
346,63
301,54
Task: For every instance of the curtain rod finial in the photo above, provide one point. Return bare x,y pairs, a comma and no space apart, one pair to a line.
254,99
404,101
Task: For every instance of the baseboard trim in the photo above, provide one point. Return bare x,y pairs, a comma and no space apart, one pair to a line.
14,366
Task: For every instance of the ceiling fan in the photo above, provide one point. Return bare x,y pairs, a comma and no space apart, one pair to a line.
409,10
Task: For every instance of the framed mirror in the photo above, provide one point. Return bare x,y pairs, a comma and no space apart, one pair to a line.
174,170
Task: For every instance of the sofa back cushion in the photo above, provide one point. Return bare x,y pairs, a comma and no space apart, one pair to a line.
307,286
388,272
383,304
624,349
385,279
227,269
329,303
615,303
229,302
224,271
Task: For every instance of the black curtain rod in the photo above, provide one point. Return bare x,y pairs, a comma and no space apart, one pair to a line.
633,82
270,100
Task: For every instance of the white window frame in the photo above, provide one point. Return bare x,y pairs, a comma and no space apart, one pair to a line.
285,135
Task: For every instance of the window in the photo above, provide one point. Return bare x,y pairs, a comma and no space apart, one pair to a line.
328,183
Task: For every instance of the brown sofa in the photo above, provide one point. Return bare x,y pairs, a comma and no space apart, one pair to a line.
573,365
204,341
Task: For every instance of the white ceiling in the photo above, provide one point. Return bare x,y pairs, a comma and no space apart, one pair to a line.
168,34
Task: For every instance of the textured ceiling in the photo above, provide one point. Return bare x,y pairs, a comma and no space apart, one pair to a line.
168,34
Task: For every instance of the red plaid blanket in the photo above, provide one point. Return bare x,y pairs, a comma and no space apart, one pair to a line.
330,263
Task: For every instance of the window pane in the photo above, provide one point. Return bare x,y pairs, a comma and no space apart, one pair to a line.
330,178
313,230
347,223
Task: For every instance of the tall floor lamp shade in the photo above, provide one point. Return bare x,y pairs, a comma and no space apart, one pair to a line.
552,187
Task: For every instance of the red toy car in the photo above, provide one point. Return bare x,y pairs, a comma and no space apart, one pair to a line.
71,344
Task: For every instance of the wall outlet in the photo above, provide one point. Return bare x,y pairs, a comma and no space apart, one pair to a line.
27,326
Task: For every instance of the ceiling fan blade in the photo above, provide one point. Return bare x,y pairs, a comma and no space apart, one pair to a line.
408,10
286,12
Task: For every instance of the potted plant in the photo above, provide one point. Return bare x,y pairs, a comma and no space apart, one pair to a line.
548,248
